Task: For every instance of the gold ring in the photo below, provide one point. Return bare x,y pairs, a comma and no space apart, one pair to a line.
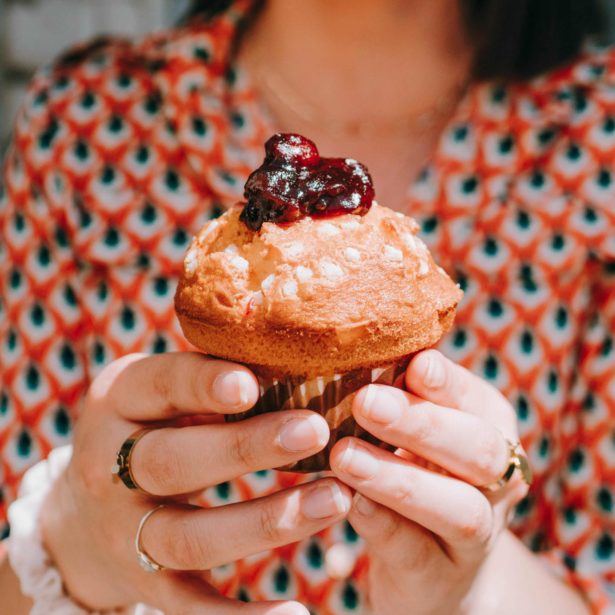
145,560
122,469
517,460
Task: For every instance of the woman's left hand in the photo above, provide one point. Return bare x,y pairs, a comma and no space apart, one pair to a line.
429,532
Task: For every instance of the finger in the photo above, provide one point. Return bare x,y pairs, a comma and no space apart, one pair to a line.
187,594
437,379
148,388
173,461
199,539
455,511
463,444
394,539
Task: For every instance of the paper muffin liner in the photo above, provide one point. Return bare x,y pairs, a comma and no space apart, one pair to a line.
331,396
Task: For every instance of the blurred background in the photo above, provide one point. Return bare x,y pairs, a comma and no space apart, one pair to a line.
34,31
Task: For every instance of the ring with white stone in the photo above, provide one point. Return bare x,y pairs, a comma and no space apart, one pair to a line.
145,561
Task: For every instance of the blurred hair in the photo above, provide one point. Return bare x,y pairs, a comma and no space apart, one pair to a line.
519,39
513,39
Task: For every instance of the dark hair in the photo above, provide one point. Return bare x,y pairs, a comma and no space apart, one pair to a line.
519,39
514,39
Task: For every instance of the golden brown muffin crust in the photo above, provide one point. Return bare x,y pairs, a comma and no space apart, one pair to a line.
315,296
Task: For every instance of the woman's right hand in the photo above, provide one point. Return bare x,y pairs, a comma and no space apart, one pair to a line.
90,520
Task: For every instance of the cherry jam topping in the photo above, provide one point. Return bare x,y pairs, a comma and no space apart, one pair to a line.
294,182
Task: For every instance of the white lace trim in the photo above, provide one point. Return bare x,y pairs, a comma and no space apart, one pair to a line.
39,578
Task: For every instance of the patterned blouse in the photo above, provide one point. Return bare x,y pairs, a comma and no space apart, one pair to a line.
122,150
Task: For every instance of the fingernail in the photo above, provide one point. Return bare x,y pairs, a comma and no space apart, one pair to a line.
290,608
233,388
324,501
358,462
303,434
435,375
380,406
364,506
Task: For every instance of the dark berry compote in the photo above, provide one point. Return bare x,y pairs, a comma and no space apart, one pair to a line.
294,182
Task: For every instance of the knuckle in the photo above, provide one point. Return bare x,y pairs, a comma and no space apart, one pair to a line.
269,523
162,382
102,387
424,425
156,465
91,477
119,365
490,459
476,526
189,549
242,449
405,490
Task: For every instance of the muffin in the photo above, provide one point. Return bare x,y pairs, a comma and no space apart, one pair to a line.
314,286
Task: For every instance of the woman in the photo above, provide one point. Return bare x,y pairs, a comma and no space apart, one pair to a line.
122,150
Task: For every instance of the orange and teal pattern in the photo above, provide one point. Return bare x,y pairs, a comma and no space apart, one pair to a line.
122,150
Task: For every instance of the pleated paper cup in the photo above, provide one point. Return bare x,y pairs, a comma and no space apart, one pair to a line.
331,396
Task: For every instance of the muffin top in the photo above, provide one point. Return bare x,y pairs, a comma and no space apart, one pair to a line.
306,288
341,272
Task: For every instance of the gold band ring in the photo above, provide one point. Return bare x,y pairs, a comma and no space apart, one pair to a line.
145,560
517,460
122,469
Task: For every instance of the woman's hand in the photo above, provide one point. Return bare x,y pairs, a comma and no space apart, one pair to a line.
429,527
90,520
